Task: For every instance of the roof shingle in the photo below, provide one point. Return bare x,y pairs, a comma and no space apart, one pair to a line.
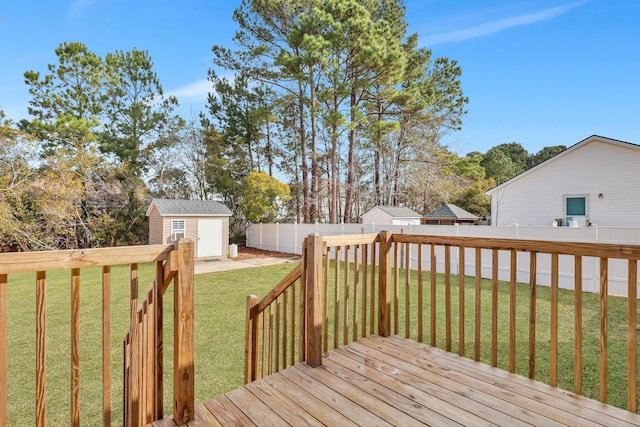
190,207
449,210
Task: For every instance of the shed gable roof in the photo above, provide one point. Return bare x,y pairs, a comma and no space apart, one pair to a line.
564,153
189,207
450,211
398,212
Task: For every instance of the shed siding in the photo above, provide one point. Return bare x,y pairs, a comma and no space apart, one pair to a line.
155,227
596,168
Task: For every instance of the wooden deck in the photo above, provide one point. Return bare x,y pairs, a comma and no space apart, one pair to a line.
395,381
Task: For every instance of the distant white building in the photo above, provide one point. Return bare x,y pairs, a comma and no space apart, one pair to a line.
391,215
596,181
449,214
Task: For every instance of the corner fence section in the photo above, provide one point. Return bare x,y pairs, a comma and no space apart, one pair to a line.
328,299
348,287
143,345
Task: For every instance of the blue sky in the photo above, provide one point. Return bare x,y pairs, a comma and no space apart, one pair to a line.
538,72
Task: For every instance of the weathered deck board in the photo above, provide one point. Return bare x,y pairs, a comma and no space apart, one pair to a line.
395,381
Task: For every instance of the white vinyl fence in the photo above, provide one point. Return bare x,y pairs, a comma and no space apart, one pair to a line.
289,237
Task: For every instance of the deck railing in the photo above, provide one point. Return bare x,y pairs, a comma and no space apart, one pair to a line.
340,300
143,344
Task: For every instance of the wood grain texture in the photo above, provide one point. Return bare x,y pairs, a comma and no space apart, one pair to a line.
75,347
55,260
447,297
604,292
632,345
513,271
395,381
420,297
461,310
533,262
478,306
577,363
494,307
407,290
313,300
3,348
432,311
183,346
553,333
599,250
106,346
41,349
384,278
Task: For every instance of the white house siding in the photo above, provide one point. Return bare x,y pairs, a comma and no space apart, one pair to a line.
595,168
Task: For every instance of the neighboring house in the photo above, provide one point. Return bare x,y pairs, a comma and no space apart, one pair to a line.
449,214
595,181
391,215
204,221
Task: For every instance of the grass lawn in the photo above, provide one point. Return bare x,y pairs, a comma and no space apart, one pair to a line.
219,327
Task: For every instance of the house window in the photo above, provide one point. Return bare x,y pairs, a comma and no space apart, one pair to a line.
178,229
576,211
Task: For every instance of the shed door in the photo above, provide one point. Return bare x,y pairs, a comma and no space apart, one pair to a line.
209,237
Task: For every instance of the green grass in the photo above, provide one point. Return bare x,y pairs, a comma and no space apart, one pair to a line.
219,327
220,314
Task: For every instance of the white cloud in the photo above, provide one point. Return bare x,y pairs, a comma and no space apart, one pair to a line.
78,8
496,26
196,91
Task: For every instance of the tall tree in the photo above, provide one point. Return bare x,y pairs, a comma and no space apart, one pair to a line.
545,154
341,68
135,107
67,102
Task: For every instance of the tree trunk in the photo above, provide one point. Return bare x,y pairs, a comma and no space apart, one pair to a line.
314,149
303,154
333,200
348,204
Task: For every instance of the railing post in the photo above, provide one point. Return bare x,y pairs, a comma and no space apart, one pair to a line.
384,278
251,344
313,280
183,345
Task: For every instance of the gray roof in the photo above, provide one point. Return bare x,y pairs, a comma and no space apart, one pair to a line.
449,210
189,207
398,212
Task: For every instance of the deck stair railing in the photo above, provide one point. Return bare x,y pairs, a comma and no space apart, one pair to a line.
349,286
143,344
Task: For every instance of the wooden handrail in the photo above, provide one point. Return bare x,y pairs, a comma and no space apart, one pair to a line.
144,395
143,345
16,262
598,250
343,292
352,239
284,284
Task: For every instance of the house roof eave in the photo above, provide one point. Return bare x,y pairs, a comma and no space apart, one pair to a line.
562,154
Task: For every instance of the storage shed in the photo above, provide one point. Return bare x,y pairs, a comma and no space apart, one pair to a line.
449,214
391,215
206,222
